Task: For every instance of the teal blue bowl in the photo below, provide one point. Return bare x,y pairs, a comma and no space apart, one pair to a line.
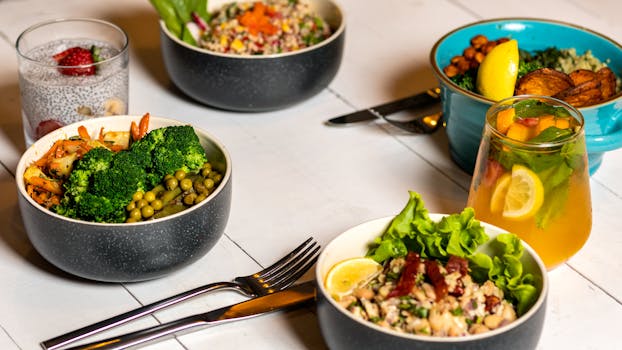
464,111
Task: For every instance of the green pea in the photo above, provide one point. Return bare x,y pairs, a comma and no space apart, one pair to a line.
137,196
147,211
141,203
217,178
189,198
200,198
209,183
136,214
200,187
149,196
205,172
130,206
157,204
185,184
180,175
171,183
131,219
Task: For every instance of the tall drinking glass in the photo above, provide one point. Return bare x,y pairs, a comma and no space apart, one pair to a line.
71,70
531,175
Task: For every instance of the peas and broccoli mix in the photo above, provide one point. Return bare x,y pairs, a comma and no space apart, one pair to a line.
163,172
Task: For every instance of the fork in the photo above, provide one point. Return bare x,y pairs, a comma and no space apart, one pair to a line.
275,277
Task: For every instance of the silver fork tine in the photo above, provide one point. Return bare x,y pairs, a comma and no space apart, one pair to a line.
289,280
286,267
283,261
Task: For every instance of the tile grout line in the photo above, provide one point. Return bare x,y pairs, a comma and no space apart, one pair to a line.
10,337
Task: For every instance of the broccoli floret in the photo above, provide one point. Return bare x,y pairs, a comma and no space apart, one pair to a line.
103,182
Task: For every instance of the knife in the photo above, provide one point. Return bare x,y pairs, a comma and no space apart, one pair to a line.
427,98
288,298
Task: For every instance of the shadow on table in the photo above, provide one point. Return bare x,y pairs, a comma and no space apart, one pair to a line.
10,120
14,234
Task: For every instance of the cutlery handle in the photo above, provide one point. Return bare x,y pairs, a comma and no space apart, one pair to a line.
63,340
423,99
163,331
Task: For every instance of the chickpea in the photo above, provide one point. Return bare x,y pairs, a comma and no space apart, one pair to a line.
136,214
130,220
469,53
189,198
149,196
478,41
171,183
488,47
185,184
147,211
180,175
137,196
451,71
479,57
157,204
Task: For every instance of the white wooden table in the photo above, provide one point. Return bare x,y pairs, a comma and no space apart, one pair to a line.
295,177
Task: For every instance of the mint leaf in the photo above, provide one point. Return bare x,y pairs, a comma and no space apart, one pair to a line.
535,108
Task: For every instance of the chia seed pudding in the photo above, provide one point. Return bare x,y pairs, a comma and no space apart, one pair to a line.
51,99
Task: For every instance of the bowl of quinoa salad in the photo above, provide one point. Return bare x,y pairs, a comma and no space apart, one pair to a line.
464,110
445,306
256,56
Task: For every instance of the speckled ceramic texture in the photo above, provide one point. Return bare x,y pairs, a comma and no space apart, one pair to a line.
465,111
126,252
341,330
256,83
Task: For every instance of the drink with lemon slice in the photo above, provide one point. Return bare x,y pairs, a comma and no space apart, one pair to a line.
531,176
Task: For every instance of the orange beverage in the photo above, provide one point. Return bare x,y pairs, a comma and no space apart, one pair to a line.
531,176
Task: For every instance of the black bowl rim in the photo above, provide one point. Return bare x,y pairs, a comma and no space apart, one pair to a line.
450,84
334,35
21,166
540,302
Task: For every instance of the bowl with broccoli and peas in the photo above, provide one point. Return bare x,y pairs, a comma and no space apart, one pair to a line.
486,61
124,199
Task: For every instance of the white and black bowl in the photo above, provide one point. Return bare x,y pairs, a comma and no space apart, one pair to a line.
260,82
342,330
126,252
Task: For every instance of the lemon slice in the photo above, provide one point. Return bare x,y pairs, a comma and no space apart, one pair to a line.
346,275
496,76
524,195
497,201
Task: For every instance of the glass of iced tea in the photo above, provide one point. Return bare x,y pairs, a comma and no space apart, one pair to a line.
71,70
531,176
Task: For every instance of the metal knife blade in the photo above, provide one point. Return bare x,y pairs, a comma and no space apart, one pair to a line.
291,297
429,97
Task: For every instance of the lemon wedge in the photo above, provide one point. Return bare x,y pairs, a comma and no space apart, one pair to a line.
496,76
346,275
521,193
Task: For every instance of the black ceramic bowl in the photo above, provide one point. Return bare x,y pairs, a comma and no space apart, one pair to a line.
255,83
342,330
126,252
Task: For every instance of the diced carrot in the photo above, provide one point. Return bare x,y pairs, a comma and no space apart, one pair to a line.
546,121
562,123
48,185
519,132
505,118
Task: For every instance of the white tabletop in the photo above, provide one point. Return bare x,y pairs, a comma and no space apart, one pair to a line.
295,177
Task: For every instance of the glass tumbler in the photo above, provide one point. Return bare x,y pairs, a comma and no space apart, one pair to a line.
59,84
531,175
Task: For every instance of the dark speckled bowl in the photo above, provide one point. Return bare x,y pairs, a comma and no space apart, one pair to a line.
343,331
255,83
126,252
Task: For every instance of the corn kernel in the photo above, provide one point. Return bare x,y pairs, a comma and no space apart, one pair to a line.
285,27
223,40
237,45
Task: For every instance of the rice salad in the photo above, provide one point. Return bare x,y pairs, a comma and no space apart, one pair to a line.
434,281
264,28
